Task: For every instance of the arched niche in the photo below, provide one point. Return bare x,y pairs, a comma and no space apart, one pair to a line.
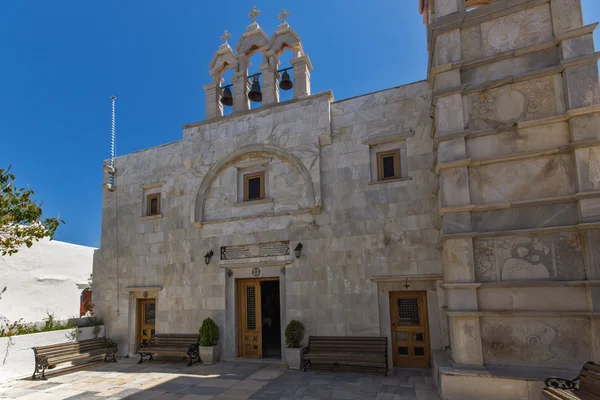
234,156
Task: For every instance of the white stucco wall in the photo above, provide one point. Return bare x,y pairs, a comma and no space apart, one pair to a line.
44,279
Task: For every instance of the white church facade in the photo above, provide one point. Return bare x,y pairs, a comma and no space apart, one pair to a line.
459,216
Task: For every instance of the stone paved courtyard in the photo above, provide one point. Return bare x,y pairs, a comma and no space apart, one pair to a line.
223,381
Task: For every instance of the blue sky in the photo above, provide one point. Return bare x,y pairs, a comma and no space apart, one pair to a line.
62,60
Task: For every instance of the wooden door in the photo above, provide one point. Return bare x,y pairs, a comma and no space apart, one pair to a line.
410,331
146,320
249,319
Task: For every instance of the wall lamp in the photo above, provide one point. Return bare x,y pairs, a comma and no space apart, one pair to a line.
208,256
298,250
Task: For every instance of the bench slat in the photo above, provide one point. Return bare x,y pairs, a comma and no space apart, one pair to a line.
349,351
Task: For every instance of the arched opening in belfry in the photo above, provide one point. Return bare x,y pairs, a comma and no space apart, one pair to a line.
255,60
284,63
227,87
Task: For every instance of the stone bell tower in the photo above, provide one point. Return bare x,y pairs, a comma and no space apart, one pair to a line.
516,106
252,40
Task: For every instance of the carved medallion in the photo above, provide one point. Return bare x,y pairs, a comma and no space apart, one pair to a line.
510,106
503,37
255,271
145,295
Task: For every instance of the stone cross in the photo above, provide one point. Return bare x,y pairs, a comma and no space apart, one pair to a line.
284,14
254,13
226,35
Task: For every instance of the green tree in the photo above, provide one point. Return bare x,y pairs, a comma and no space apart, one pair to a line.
20,217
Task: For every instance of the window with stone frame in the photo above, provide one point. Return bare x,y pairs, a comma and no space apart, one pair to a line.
388,161
388,165
254,186
153,204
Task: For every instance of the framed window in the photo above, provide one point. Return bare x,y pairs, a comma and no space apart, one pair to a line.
153,204
388,165
254,186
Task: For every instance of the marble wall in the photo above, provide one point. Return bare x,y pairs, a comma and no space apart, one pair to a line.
317,157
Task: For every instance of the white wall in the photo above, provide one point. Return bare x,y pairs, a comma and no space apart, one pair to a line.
17,356
44,279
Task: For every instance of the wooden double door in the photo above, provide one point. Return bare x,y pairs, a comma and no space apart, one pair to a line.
252,317
410,330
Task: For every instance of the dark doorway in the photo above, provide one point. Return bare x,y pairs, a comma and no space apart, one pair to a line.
271,319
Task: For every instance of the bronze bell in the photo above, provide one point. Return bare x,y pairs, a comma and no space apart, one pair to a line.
227,98
285,83
255,94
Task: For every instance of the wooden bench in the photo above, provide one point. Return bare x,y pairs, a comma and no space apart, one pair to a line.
48,357
171,345
347,351
585,386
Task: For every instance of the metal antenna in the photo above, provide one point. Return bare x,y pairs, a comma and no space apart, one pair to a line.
112,140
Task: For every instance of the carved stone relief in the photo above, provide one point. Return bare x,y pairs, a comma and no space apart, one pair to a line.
517,30
583,86
485,261
450,114
535,342
557,256
594,167
509,104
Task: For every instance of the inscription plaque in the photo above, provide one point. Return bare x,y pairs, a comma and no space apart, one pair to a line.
270,249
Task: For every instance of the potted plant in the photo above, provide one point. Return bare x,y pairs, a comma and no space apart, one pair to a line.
294,333
210,349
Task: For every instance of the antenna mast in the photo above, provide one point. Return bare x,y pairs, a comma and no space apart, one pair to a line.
110,167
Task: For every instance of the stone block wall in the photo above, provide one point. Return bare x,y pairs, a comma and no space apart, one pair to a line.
318,160
515,94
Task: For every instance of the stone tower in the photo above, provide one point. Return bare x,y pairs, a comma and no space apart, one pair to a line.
516,109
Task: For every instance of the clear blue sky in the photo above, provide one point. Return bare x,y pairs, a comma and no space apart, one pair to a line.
62,60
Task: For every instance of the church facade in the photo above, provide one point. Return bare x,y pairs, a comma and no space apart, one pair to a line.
457,216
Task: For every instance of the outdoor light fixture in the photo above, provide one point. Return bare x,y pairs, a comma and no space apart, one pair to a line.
208,256
298,250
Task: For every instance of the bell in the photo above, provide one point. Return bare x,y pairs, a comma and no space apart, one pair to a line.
227,98
255,94
285,83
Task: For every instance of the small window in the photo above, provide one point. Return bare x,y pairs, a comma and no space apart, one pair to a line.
388,165
254,186
153,204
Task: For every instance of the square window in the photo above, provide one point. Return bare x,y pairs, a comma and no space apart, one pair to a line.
254,186
388,165
153,204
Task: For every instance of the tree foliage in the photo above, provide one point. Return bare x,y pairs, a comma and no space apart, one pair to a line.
20,217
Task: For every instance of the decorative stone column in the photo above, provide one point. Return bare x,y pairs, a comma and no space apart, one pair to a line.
214,108
241,87
270,90
302,68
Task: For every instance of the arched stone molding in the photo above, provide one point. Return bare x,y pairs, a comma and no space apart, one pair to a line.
224,58
283,154
284,38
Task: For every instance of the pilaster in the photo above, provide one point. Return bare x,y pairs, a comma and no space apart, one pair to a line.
241,87
447,7
270,90
214,108
302,68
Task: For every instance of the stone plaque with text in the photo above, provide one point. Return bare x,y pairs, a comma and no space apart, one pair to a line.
255,250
